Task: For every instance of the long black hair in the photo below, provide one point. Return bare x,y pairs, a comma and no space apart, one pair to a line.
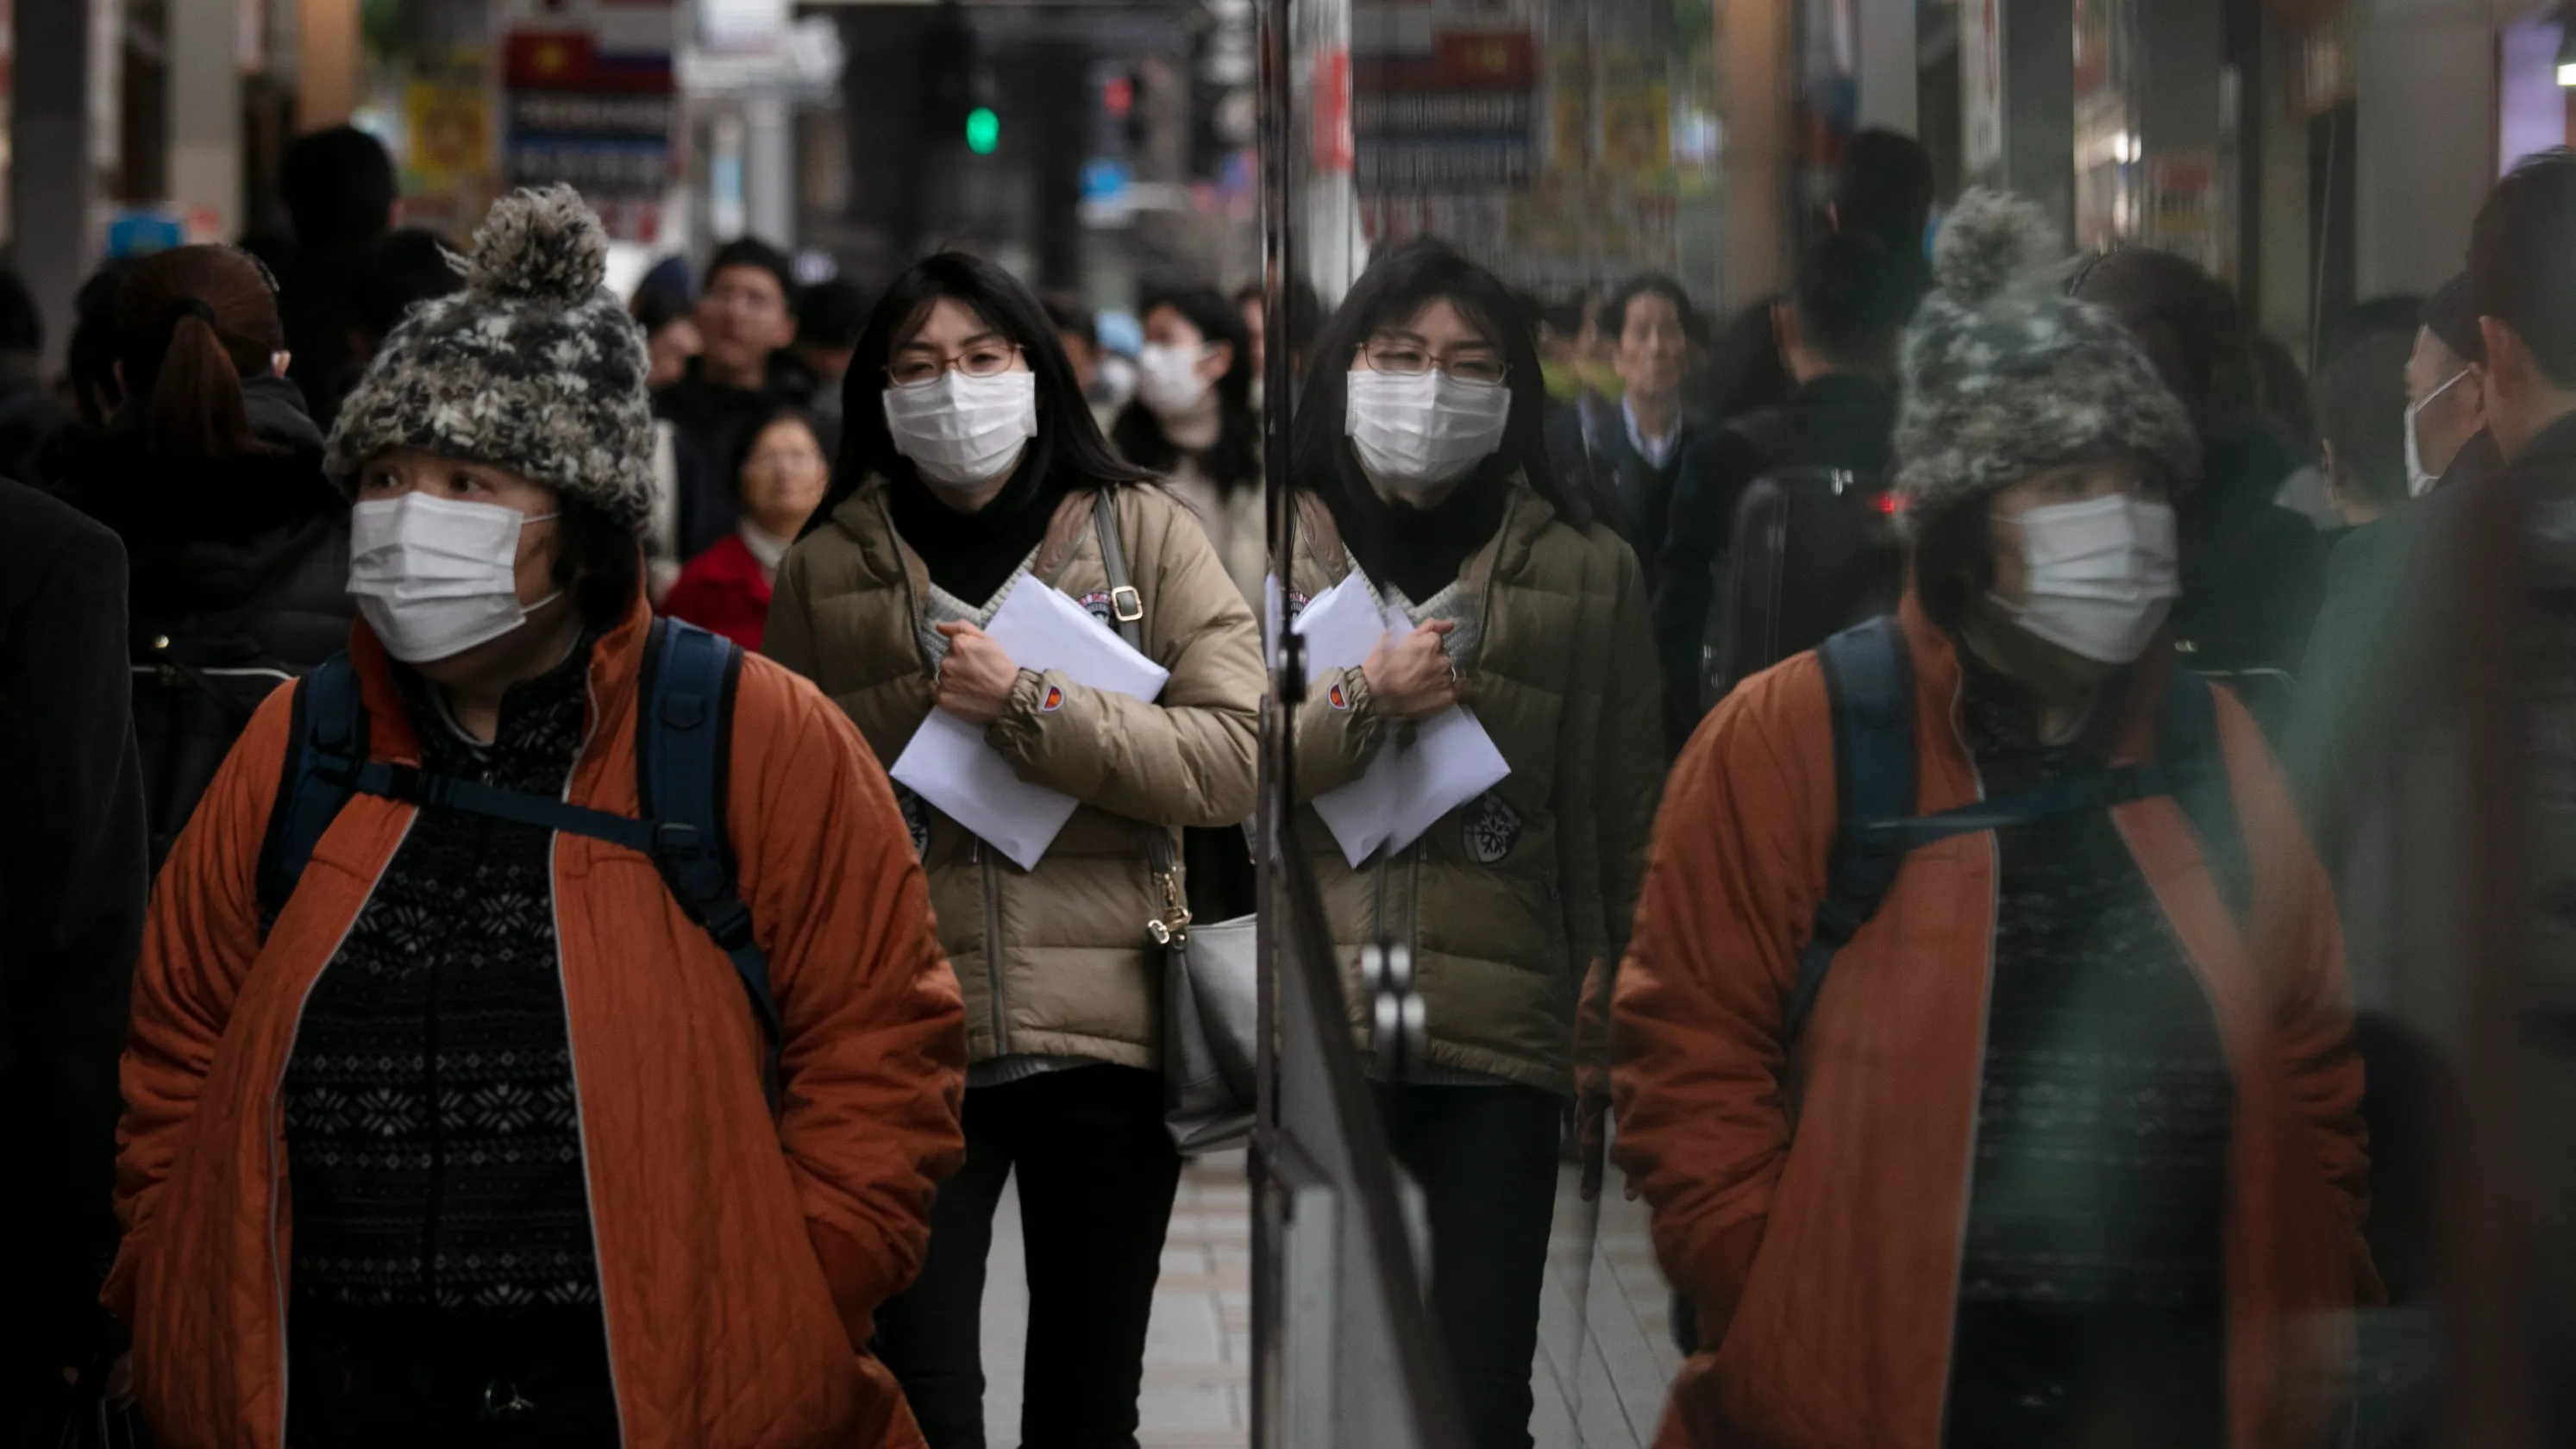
1068,441
1235,461
1398,284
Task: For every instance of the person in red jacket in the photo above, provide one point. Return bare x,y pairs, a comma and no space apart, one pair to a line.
777,482
2068,1151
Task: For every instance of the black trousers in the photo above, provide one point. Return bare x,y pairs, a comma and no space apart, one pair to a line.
1486,1160
2071,1376
1097,1173
361,1380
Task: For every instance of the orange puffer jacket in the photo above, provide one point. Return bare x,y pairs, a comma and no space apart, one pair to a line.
740,1260
1825,1267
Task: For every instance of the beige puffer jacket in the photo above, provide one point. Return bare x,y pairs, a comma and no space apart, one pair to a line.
1512,898
1055,961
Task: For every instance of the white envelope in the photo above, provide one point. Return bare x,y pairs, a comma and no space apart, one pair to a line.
948,764
1407,788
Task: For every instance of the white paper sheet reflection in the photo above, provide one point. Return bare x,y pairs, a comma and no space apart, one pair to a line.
1407,787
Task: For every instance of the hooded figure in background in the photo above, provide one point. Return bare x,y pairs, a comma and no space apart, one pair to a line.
339,186
2253,573
211,473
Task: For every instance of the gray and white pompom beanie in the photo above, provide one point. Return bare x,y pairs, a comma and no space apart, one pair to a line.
535,367
2005,374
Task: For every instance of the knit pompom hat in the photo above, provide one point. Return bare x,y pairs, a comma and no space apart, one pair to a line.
535,367
2005,374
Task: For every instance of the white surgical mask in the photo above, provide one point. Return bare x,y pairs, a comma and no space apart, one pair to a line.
2420,479
1416,432
2102,576
964,433
435,577
1168,381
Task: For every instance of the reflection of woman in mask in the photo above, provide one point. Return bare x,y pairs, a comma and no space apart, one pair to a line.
971,468
472,1127
1192,421
1423,479
2075,1156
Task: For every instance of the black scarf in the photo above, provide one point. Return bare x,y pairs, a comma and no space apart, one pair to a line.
973,554
1419,550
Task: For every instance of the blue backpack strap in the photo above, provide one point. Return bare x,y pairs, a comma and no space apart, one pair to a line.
1869,681
2187,746
326,743
683,743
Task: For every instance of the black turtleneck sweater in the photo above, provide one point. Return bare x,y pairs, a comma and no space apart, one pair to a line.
972,554
1419,550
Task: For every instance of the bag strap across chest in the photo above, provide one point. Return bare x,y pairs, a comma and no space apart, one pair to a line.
1869,682
683,741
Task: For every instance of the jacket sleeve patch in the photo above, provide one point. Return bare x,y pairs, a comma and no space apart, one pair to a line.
1054,700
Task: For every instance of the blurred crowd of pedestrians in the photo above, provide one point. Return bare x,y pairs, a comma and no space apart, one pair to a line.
1981,824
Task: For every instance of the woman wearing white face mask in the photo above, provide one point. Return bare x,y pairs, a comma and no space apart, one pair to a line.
2033,1123
458,1102
969,469
1192,421
1423,478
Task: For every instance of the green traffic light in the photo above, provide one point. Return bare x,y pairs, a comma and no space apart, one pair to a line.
983,130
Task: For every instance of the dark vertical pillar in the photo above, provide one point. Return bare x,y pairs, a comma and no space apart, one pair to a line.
1058,107
882,98
50,182
2039,105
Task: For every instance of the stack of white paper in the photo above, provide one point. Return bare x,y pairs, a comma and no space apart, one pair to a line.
1407,787
948,763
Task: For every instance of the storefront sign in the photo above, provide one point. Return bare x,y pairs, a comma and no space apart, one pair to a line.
589,98
2183,192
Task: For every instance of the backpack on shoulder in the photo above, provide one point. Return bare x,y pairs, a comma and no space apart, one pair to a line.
1869,681
683,737
194,694
1813,551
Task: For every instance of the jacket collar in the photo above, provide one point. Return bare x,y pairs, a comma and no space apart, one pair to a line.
1525,518
616,663
2557,441
2138,692
863,517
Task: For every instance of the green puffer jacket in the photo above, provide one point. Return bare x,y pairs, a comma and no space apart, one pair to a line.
1510,900
1055,961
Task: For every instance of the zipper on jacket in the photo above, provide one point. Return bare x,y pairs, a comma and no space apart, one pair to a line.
277,1129
1985,1015
993,947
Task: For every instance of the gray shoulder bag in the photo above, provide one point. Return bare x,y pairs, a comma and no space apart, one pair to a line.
1211,1005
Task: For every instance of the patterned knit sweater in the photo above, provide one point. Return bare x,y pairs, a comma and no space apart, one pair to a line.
2102,1131
431,1125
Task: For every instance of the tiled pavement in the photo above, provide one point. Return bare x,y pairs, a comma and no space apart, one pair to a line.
1198,1348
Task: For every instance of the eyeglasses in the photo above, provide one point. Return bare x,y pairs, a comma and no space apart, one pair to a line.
984,359
1411,359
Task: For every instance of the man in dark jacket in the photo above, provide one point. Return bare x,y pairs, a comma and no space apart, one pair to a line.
2518,977
1623,457
72,887
1840,338
747,321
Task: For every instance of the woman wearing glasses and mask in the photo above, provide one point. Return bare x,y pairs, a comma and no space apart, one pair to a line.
971,467
1423,479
